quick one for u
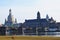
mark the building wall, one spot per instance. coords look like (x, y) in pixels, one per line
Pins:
(2, 30)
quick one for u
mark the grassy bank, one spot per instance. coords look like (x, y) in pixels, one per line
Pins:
(28, 38)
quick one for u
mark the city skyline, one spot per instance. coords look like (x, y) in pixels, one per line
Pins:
(27, 9)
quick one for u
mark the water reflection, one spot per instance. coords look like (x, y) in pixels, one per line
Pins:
(55, 34)
(52, 33)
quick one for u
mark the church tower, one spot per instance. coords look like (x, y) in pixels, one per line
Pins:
(38, 15)
(15, 20)
(10, 17)
(10, 20)
(52, 18)
(5, 21)
(47, 17)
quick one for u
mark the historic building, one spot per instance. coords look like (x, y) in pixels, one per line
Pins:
(39, 25)
(10, 21)
(39, 22)
(11, 24)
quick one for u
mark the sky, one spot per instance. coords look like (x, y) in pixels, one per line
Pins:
(27, 9)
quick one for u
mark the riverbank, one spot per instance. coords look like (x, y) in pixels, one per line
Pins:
(29, 38)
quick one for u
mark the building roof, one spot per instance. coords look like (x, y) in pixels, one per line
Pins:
(36, 20)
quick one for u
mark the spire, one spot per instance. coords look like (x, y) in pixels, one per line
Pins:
(47, 17)
(10, 17)
(15, 20)
(51, 18)
(38, 15)
(5, 21)
(9, 10)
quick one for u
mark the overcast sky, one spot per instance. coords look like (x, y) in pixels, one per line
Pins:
(27, 9)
